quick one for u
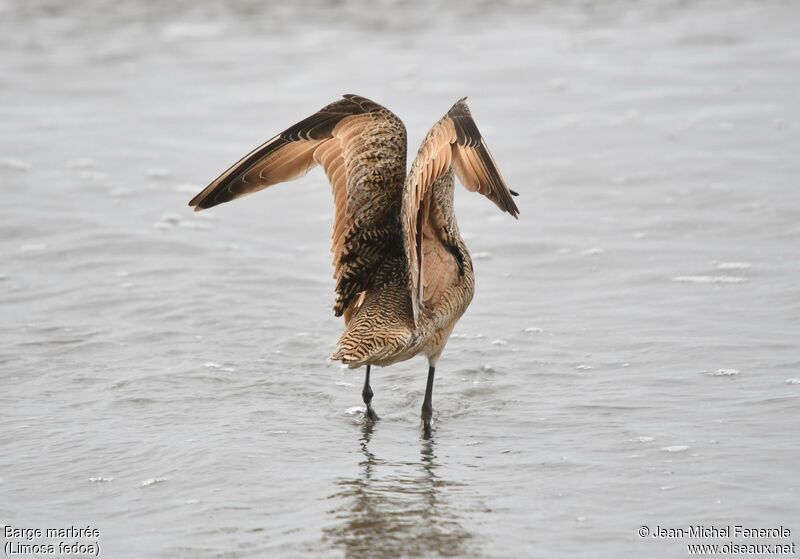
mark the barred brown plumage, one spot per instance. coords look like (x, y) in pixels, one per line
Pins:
(403, 273)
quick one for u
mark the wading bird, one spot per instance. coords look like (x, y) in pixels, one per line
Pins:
(403, 274)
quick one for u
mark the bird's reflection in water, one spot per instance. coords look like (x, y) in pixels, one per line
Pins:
(397, 509)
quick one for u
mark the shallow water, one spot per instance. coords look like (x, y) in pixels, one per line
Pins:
(631, 356)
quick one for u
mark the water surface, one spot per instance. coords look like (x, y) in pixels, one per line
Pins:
(631, 356)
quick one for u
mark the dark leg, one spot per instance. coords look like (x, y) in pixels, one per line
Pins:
(427, 406)
(366, 393)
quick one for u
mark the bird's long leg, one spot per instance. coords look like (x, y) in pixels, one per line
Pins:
(366, 393)
(427, 406)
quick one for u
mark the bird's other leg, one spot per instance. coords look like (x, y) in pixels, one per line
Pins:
(427, 405)
(366, 393)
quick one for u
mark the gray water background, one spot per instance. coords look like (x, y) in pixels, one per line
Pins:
(631, 356)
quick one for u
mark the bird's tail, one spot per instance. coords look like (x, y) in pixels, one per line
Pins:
(378, 331)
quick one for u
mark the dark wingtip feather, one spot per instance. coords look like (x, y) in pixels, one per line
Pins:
(206, 199)
(460, 107)
(513, 192)
(514, 211)
(195, 202)
(365, 104)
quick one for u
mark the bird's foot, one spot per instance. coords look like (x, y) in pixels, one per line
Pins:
(370, 414)
(426, 430)
(427, 415)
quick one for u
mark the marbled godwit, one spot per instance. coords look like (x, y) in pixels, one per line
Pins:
(403, 273)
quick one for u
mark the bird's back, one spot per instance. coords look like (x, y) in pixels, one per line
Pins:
(382, 329)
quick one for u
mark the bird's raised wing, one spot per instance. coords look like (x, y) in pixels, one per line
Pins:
(453, 142)
(362, 147)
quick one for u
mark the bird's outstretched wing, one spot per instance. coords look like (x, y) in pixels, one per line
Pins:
(453, 142)
(362, 148)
